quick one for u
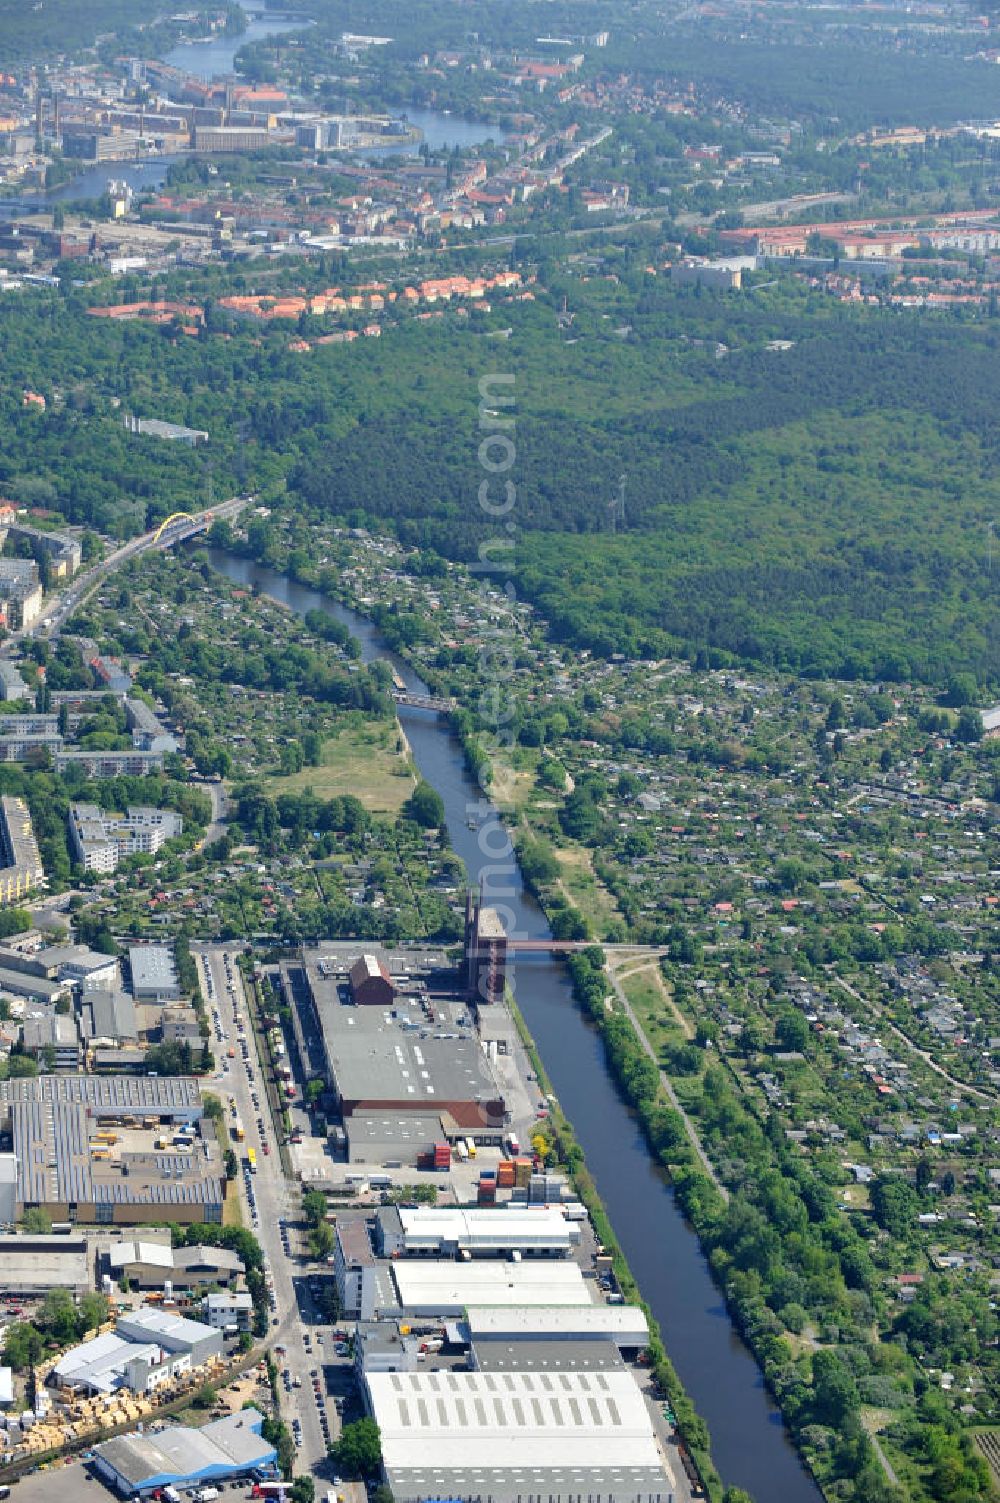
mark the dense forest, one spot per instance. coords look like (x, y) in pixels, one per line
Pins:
(825, 506)
(64, 26)
(855, 78)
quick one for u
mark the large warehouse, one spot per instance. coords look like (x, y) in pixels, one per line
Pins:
(447, 1232)
(63, 1168)
(407, 1057)
(34, 1264)
(447, 1289)
(513, 1435)
(167, 1098)
(625, 1325)
(180, 1457)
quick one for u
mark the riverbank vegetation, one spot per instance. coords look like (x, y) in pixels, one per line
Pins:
(811, 860)
(790, 1263)
(558, 1132)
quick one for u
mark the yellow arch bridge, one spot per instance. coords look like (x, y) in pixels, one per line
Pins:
(177, 516)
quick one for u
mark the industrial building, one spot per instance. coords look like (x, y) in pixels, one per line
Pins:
(557, 1435)
(145, 1350)
(445, 1289)
(168, 1098)
(410, 1057)
(64, 966)
(71, 1166)
(625, 1325)
(8, 1189)
(91, 145)
(154, 975)
(21, 868)
(153, 1265)
(181, 1457)
(53, 1037)
(34, 1264)
(229, 138)
(175, 1333)
(108, 1018)
(451, 1232)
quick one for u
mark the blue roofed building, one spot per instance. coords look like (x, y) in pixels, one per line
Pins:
(181, 1457)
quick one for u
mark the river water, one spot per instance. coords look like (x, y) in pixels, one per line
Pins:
(749, 1443)
(214, 59)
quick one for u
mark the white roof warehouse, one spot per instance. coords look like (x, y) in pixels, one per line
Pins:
(508, 1436)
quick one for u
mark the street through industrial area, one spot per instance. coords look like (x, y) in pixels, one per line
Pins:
(303, 1349)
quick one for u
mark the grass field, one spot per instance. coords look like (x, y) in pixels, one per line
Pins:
(232, 1215)
(582, 886)
(362, 760)
(660, 1021)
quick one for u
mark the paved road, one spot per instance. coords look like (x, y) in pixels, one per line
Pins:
(276, 1198)
(220, 808)
(60, 608)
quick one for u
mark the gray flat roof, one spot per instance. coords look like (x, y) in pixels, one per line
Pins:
(393, 1130)
(110, 1015)
(535, 1323)
(510, 1484)
(355, 1242)
(30, 1263)
(24, 985)
(382, 1054)
(152, 968)
(447, 1286)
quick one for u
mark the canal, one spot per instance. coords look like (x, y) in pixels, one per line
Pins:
(750, 1445)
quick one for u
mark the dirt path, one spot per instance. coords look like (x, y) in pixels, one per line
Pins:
(958, 1085)
(689, 1127)
(683, 1023)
